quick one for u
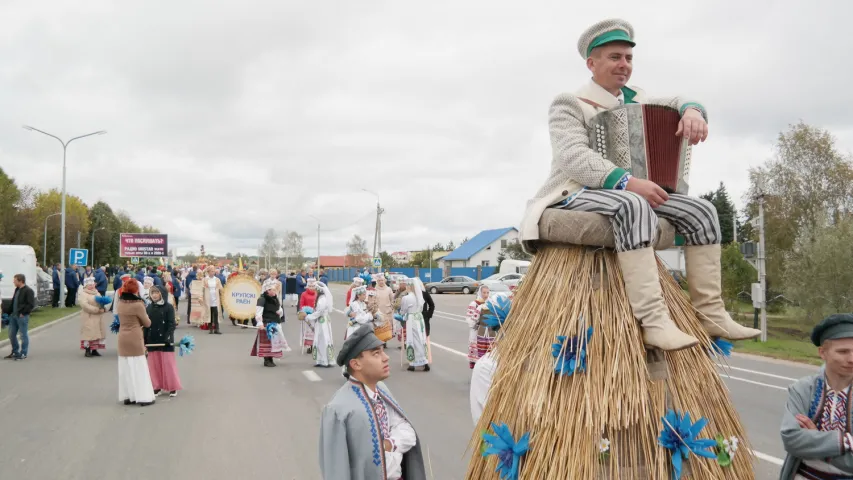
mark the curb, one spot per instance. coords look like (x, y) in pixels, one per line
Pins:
(41, 328)
(778, 361)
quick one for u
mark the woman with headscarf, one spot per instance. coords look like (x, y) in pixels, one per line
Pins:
(92, 331)
(269, 312)
(472, 315)
(356, 282)
(211, 299)
(411, 308)
(306, 331)
(147, 283)
(134, 380)
(279, 288)
(160, 341)
(323, 350)
(169, 285)
(357, 312)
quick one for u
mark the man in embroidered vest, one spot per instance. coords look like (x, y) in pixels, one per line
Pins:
(582, 179)
(816, 427)
(364, 434)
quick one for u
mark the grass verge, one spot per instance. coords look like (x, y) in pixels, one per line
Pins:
(43, 316)
(788, 338)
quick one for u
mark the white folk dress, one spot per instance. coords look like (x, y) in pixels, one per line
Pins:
(416, 342)
(362, 317)
(323, 350)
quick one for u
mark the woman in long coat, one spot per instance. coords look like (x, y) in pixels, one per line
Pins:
(134, 381)
(212, 298)
(92, 331)
(161, 358)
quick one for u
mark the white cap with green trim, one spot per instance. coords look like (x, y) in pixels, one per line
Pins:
(604, 32)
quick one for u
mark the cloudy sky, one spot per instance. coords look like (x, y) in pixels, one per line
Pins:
(228, 118)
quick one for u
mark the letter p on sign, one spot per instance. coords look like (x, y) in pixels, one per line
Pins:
(79, 257)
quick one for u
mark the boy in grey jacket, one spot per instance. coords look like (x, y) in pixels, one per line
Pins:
(816, 425)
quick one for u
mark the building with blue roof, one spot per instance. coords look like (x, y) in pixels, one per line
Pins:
(482, 250)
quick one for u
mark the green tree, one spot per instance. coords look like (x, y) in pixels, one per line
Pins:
(824, 271)
(738, 275)
(806, 186)
(514, 251)
(725, 211)
(387, 260)
(76, 220)
(439, 247)
(451, 246)
(357, 246)
(106, 240)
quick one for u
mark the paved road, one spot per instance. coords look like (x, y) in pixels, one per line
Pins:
(237, 419)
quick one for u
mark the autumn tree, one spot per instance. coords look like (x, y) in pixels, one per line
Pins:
(292, 249)
(76, 221)
(725, 211)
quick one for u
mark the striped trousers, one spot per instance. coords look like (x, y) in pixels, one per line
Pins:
(635, 222)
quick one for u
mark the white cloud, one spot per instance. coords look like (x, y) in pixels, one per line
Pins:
(228, 119)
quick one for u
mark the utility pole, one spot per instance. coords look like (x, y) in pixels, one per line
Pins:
(44, 251)
(78, 238)
(318, 244)
(762, 271)
(377, 232)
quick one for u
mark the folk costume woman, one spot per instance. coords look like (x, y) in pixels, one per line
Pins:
(384, 326)
(307, 299)
(147, 283)
(160, 338)
(356, 282)
(357, 312)
(92, 331)
(411, 308)
(269, 312)
(134, 380)
(211, 299)
(324, 343)
(477, 345)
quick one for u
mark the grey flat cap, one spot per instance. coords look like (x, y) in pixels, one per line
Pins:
(360, 340)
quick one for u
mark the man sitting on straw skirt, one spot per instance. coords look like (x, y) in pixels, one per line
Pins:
(583, 180)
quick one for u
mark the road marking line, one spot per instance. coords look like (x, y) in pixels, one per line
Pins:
(780, 377)
(312, 376)
(457, 352)
(753, 382)
(449, 318)
(450, 314)
(768, 458)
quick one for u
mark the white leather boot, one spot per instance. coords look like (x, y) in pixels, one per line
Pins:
(704, 279)
(640, 271)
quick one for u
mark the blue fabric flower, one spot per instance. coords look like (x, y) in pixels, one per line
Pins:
(720, 346)
(368, 278)
(570, 354)
(498, 311)
(679, 437)
(399, 318)
(187, 345)
(103, 301)
(115, 325)
(307, 310)
(508, 451)
(271, 330)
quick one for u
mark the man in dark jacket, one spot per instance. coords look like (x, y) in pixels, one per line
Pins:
(301, 283)
(140, 275)
(54, 302)
(72, 283)
(323, 277)
(191, 277)
(23, 303)
(117, 279)
(101, 281)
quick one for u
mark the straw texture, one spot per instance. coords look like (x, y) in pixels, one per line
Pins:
(567, 290)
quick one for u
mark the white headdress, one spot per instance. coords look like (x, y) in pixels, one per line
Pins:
(358, 281)
(326, 293)
(87, 281)
(269, 284)
(358, 291)
(148, 281)
(418, 288)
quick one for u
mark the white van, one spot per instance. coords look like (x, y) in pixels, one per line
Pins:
(514, 266)
(15, 259)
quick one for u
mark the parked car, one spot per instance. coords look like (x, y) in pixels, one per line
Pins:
(454, 284)
(511, 280)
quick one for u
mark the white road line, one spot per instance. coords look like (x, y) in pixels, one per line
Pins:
(780, 377)
(768, 458)
(450, 314)
(312, 376)
(457, 352)
(754, 382)
(449, 318)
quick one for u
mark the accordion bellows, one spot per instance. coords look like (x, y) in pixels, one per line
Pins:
(641, 139)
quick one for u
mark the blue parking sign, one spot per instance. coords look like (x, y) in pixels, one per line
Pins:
(79, 257)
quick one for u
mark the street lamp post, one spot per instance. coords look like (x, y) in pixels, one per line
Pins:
(44, 251)
(62, 232)
(318, 244)
(93, 244)
(377, 233)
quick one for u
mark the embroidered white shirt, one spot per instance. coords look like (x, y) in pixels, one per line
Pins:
(402, 438)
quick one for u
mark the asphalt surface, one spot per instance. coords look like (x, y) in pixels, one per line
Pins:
(237, 419)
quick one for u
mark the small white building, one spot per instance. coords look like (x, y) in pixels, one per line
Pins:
(402, 257)
(482, 250)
